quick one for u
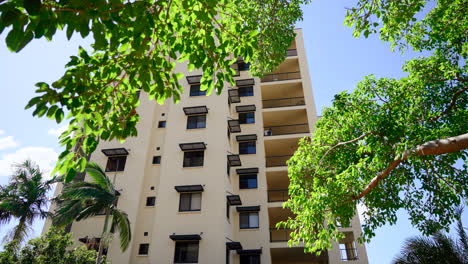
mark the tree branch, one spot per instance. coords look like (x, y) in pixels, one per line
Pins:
(434, 147)
(451, 105)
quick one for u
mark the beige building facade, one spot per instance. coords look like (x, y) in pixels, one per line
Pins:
(205, 179)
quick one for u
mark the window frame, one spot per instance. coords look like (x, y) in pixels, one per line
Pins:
(248, 217)
(242, 259)
(246, 180)
(150, 201)
(190, 201)
(183, 245)
(244, 118)
(141, 248)
(162, 124)
(156, 160)
(246, 91)
(251, 143)
(198, 121)
(119, 167)
(196, 92)
(191, 165)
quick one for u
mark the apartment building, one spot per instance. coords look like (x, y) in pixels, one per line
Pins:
(205, 179)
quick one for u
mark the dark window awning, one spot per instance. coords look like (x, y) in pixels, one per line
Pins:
(192, 146)
(250, 137)
(196, 110)
(249, 251)
(246, 82)
(247, 171)
(248, 208)
(245, 108)
(194, 237)
(194, 79)
(115, 152)
(234, 200)
(234, 96)
(233, 245)
(189, 188)
(87, 239)
(234, 126)
(234, 160)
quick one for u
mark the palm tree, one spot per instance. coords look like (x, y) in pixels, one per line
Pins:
(24, 198)
(81, 200)
(439, 248)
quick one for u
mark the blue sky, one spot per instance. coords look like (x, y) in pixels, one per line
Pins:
(337, 62)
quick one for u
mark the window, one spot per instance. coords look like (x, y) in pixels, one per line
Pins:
(246, 91)
(190, 202)
(193, 158)
(247, 118)
(243, 66)
(247, 147)
(228, 210)
(248, 220)
(186, 252)
(162, 124)
(116, 163)
(143, 249)
(196, 121)
(150, 201)
(247, 181)
(195, 90)
(348, 251)
(157, 160)
(250, 259)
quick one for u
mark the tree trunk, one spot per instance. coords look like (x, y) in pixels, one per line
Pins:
(101, 241)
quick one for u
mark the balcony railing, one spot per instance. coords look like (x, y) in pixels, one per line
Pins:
(281, 76)
(279, 235)
(348, 254)
(286, 129)
(291, 52)
(283, 102)
(278, 195)
(277, 161)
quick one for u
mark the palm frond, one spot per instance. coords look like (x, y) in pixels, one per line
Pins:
(121, 222)
(98, 175)
(88, 191)
(66, 212)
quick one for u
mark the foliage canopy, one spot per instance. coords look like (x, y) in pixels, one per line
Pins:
(391, 143)
(51, 248)
(136, 46)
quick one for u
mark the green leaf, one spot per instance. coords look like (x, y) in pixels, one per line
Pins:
(32, 6)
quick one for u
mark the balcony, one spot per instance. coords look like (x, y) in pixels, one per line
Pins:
(286, 130)
(279, 235)
(291, 52)
(283, 102)
(281, 76)
(277, 161)
(295, 255)
(278, 195)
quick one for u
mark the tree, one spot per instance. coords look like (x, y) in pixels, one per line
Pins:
(136, 46)
(439, 248)
(24, 198)
(390, 144)
(54, 247)
(81, 200)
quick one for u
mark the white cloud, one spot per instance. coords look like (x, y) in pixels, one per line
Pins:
(2, 132)
(44, 157)
(57, 131)
(7, 142)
